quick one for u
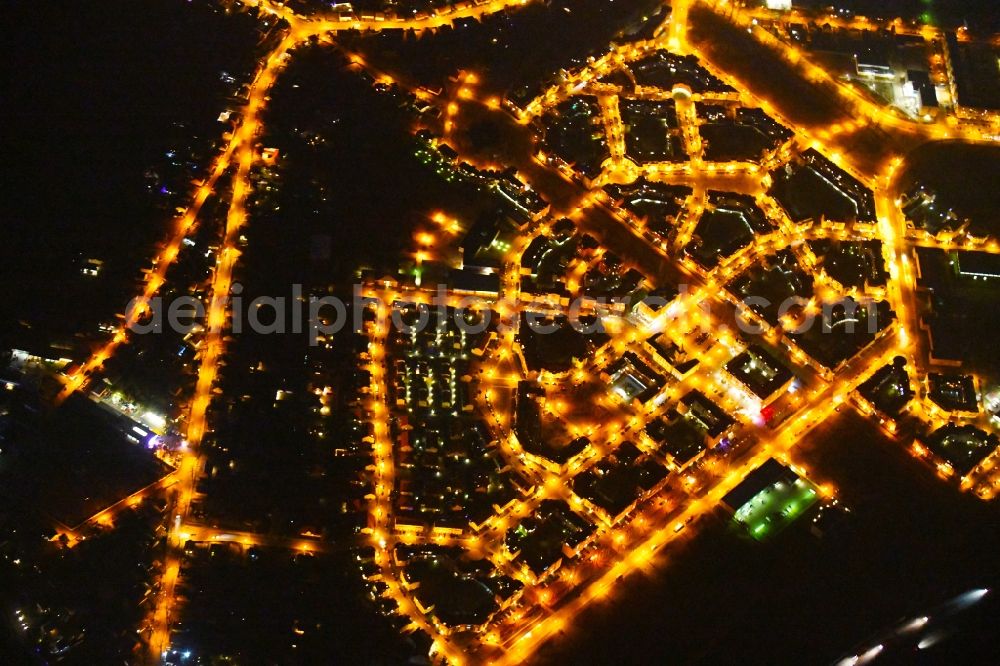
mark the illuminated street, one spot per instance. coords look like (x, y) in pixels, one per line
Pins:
(671, 292)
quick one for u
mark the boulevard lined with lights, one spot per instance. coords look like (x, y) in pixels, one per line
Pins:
(549, 603)
(636, 542)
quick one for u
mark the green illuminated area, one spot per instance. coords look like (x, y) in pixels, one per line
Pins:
(776, 507)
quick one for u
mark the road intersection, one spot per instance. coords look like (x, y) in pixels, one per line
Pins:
(547, 604)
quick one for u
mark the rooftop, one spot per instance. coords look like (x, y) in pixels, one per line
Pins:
(759, 371)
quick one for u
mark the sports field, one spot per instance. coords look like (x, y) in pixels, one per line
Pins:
(775, 507)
